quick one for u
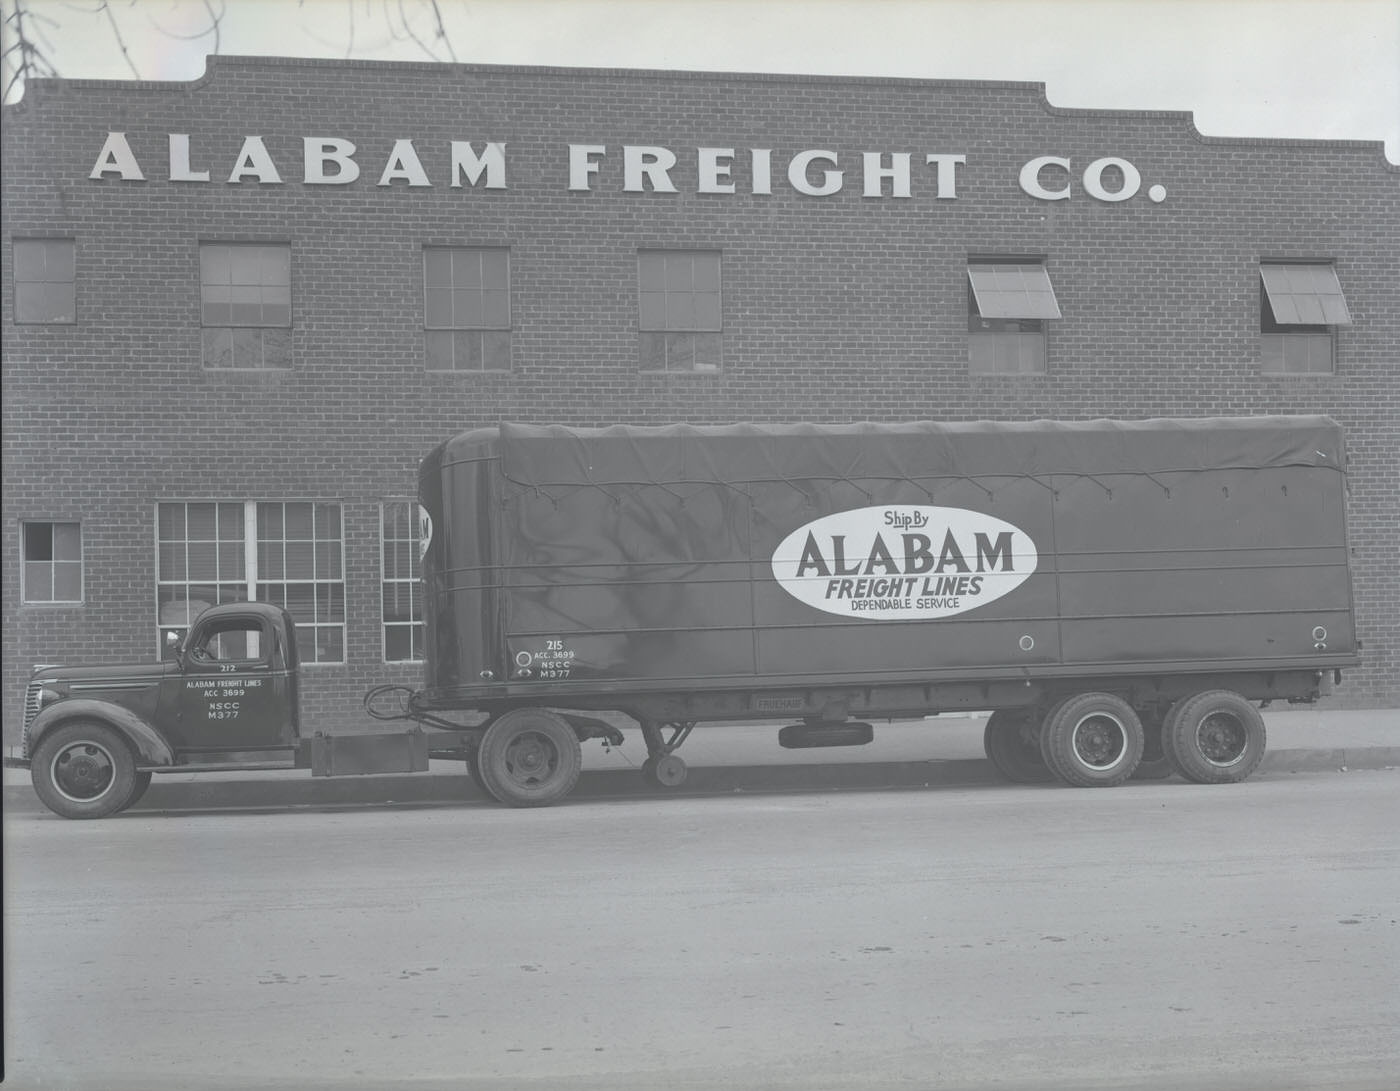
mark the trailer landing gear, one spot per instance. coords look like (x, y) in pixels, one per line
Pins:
(663, 766)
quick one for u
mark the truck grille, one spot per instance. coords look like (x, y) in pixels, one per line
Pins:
(31, 709)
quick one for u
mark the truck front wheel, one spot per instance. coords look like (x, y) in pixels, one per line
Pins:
(1093, 740)
(84, 769)
(530, 758)
(1216, 737)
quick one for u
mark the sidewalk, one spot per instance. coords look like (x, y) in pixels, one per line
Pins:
(745, 758)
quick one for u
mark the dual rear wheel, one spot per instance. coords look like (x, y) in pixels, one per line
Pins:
(1098, 740)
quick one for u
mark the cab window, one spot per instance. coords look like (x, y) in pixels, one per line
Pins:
(234, 640)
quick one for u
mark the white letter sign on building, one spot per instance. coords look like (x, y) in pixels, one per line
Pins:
(903, 562)
(646, 168)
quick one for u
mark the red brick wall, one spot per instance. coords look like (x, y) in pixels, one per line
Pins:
(837, 308)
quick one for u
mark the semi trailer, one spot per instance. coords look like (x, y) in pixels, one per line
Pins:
(1121, 596)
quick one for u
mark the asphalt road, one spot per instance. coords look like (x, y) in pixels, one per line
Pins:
(1158, 935)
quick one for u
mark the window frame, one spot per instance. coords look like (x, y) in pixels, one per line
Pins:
(18, 281)
(1027, 336)
(251, 583)
(680, 340)
(490, 338)
(80, 562)
(243, 331)
(1277, 338)
(415, 625)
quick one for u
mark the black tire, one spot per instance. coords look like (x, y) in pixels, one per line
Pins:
(473, 764)
(530, 758)
(1093, 740)
(84, 769)
(1216, 737)
(1012, 746)
(1047, 757)
(1154, 763)
(139, 784)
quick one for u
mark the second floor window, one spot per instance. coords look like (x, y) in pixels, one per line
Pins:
(680, 314)
(45, 281)
(1300, 306)
(245, 292)
(1008, 305)
(466, 308)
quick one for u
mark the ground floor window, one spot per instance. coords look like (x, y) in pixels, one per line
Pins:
(401, 592)
(289, 553)
(52, 566)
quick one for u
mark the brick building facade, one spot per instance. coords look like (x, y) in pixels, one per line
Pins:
(238, 311)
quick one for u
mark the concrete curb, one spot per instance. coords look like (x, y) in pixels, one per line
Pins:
(302, 790)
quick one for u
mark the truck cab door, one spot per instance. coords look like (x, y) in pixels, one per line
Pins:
(235, 693)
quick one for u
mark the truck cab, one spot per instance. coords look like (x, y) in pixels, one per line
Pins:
(93, 734)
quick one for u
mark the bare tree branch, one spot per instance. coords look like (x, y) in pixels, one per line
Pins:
(442, 30)
(27, 53)
(121, 42)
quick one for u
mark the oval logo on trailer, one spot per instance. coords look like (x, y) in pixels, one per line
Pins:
(425, 532)
(903, 561)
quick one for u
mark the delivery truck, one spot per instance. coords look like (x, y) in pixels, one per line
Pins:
(1121, 596)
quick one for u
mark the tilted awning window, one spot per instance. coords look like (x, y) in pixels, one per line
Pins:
(1305, 295)
(1020, 290)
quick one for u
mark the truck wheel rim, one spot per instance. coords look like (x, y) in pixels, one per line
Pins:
(531, 759)
(1222, 739)
(82, 772)
(1099, 741)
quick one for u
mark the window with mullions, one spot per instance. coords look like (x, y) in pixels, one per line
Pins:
(466, 308)
(52, 567)
(1300, 306)
(246, 305)
(679, 312)
(402, 593)
(301, 566)
(46, 290)
(290, 554)
(1008, 305)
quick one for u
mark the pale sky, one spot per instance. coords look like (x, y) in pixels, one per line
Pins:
(1327, 69)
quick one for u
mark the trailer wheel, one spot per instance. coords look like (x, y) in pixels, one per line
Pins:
(1154, 765)
(1093, 740)
(1047, 755)
(84, 769)
(530, 758)
(1012, 747)
(473, 764)
(1216, 737)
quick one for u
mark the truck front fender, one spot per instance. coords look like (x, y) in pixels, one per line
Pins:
(151, 749)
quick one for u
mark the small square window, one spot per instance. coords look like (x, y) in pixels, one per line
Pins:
(46, 290)
(52, 564)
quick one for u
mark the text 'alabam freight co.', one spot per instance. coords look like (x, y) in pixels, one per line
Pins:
(645, 168)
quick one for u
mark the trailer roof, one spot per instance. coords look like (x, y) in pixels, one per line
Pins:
(541, 455)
